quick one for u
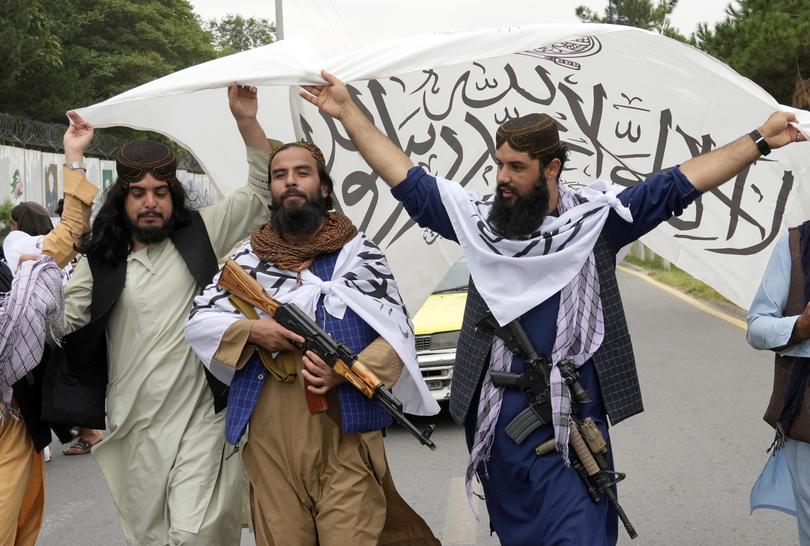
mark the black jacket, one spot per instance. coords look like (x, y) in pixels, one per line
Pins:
(75, 387)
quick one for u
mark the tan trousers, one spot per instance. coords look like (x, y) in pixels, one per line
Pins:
(22, 485)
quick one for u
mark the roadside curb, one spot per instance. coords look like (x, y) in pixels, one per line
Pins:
(727, 312)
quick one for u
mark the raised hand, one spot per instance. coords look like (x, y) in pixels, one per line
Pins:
(778, 132)
(78, 137)
(332, 98)
(243, 102)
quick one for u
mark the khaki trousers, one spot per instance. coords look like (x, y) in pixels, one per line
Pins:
(22, 485)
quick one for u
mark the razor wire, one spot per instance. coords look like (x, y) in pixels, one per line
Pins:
(39, 135)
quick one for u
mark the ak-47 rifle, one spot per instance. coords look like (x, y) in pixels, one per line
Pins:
(337, 355)
(585, 437)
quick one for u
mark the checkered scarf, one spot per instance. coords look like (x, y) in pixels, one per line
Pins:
(580, 323)
(30, 311)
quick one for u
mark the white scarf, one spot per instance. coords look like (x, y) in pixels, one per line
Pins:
(362, 280)
(514, 276)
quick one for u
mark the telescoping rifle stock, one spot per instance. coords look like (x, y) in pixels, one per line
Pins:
(337, 355)
(592, 463)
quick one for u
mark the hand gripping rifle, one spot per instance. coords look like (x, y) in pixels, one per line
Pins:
(337, 355)
(585, 437)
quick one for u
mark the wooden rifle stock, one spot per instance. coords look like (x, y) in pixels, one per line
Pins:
(237, 281)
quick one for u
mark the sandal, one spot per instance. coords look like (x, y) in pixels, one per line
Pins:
(80, 447)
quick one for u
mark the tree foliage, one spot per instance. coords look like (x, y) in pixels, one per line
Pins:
(636, 13)
(234, 33)
(766, 40)
(70, 53)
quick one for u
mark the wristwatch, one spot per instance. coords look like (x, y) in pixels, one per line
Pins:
(759, 140)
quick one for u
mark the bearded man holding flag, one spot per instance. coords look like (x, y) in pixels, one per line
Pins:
(543, 255)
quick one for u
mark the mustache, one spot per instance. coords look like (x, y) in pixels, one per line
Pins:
(293, 192)
(154, 214)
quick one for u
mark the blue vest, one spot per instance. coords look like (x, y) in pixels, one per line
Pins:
(358, 413)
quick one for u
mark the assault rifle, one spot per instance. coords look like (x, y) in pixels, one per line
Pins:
(337, 355)
(533, 382)
(593, 465)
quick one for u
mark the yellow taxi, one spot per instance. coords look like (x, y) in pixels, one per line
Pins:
(437, 325)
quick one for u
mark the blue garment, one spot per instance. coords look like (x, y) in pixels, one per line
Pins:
(358, 413)
(535, 500)
(769, 328)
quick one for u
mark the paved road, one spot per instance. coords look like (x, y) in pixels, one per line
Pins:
(691, 457)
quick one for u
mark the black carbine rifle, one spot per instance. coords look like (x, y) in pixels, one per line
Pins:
(592, 464)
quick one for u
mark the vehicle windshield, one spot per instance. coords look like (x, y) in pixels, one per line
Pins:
(456, 279)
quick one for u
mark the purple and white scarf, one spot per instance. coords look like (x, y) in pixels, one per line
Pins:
(30, 311)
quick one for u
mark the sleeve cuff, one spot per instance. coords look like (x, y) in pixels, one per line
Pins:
(258, 167)
(683, 185)
(381, 358)
(401, 190)
(233, 349)
(77, 185)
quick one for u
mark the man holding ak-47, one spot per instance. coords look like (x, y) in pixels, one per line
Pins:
(542, 261)
(314, 455)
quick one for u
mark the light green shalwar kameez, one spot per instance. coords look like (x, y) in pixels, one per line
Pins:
(164, 460)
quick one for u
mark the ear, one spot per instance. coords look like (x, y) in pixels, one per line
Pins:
(552, 170)
(324, 191)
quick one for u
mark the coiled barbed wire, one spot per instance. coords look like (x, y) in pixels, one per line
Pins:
(47, 137)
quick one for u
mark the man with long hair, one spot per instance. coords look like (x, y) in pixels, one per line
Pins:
(543, 255)
(147, 256)
(323, 478)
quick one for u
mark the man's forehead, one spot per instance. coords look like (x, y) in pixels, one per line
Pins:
(148, 182)
(293, 157)
(507, 154)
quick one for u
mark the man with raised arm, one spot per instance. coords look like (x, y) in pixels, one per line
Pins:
(147, 256)
(318, 478)
(546, 256)
(29, 316)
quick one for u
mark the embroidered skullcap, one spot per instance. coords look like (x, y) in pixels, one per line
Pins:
(137, 159)
(308, 146)
(535, 134)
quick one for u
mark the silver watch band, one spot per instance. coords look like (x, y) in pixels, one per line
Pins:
(75, 165)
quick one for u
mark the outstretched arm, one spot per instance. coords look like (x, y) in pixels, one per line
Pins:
(380, 153)
(710, 170)
(244, 105)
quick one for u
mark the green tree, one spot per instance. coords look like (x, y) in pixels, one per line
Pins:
(767, 41)
(636, 13)
(234, 33)
(104, 48)
(28, 39)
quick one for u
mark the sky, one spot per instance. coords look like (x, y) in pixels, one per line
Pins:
(364, 21)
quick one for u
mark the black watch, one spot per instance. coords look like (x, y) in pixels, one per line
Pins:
(759, 140)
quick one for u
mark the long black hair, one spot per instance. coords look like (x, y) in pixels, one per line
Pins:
(111, 236)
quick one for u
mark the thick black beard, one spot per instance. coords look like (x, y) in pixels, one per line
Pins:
(151, 235)
(298, 220)
(524, 217)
